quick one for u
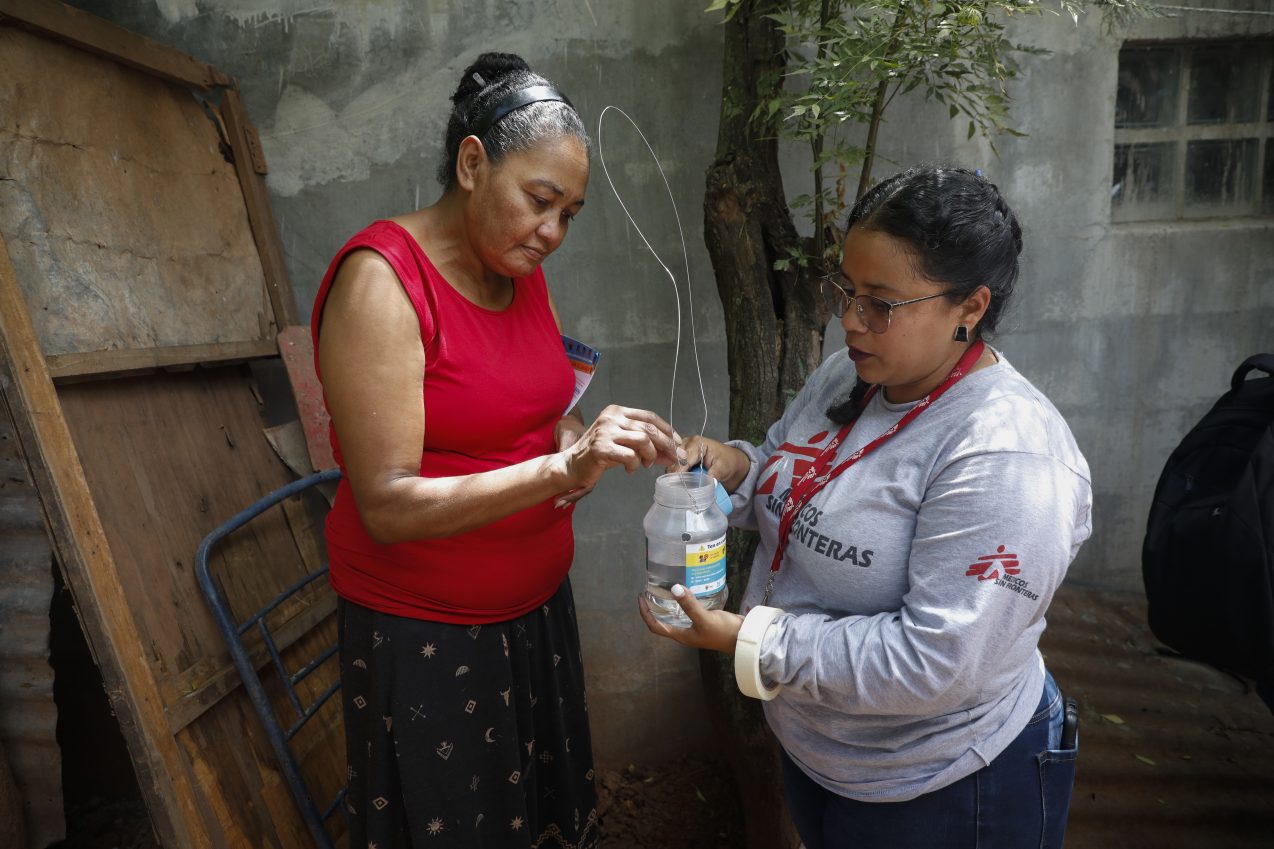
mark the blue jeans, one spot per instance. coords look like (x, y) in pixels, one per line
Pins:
(1018, 801)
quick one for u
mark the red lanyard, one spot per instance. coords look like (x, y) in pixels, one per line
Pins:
(820, 473)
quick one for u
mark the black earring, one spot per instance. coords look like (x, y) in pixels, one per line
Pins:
(962, 334)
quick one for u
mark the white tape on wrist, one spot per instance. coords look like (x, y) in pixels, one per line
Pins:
(747, 653)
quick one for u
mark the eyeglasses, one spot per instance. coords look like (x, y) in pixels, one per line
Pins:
(872, 311)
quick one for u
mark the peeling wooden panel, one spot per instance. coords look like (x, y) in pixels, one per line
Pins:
(28, 715)
(67, 367)
(242, 139)
(123, 218)
(80, 546)
(142, 236)
(169, 457)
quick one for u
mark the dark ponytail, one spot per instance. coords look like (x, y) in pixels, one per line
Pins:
(846, 411)
(490, 78)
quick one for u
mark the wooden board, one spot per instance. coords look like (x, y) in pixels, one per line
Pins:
(136, 471)
(168, 459)
(124, 220)
(156, 451)
(250, 162)
(82, 551)
(95, 35)
(142, 239)
(68, 367)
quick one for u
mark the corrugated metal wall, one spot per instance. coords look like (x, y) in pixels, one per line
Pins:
(1173, 754)
(28, 717)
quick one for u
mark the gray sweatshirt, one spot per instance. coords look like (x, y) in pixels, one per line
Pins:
(916, 583)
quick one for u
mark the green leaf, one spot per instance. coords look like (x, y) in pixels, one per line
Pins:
(952, 111)
(782, 264)
(731, 7)
(971, 131)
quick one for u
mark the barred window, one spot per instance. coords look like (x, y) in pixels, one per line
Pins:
(1194, 131)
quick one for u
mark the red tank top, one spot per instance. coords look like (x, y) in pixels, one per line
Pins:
(496, 384)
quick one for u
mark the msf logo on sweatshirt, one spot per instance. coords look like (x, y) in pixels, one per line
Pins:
(988, 566)
(805, 529)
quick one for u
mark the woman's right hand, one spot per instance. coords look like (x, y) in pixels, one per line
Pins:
(724, 462)
(621, 436)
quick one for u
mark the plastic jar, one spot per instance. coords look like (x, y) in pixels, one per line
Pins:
(685, 544)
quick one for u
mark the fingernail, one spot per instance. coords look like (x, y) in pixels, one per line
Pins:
(678, 590)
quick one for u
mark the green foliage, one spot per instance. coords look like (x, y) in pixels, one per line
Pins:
(794, 258)
(849, 61)
(846, 62)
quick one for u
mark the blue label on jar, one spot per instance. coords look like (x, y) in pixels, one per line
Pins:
(705, 566)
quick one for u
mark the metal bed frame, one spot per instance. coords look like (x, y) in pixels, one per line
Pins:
(234, 633)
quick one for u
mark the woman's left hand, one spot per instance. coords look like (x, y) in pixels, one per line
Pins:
(709, 629)
(569, 429)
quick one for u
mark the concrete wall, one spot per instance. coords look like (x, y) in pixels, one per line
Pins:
(1131, 329)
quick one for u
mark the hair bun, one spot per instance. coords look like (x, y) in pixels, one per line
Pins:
(1016, 230)
(490, 68)
(1006, 216)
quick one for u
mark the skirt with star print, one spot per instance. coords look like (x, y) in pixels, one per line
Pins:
(467, 736)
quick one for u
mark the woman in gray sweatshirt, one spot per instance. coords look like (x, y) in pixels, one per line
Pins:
(918, 504)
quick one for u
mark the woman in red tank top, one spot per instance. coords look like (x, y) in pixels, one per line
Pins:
(450, 539)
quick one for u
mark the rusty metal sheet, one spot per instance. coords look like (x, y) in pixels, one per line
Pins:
(1172, 753)
(28, 716)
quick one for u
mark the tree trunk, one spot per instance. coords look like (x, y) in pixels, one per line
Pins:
(869, 150)
(774, 339)
(878, 108)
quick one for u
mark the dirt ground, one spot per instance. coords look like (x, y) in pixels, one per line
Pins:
(1173, 755)
(686, 804)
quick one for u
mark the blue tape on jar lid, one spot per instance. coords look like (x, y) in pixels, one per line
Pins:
(722, 497)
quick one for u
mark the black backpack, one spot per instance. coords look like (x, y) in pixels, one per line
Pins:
(1208, 556)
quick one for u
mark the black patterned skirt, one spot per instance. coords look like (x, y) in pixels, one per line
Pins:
(467, 736)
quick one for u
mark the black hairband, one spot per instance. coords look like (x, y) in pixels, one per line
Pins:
(515, 100)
